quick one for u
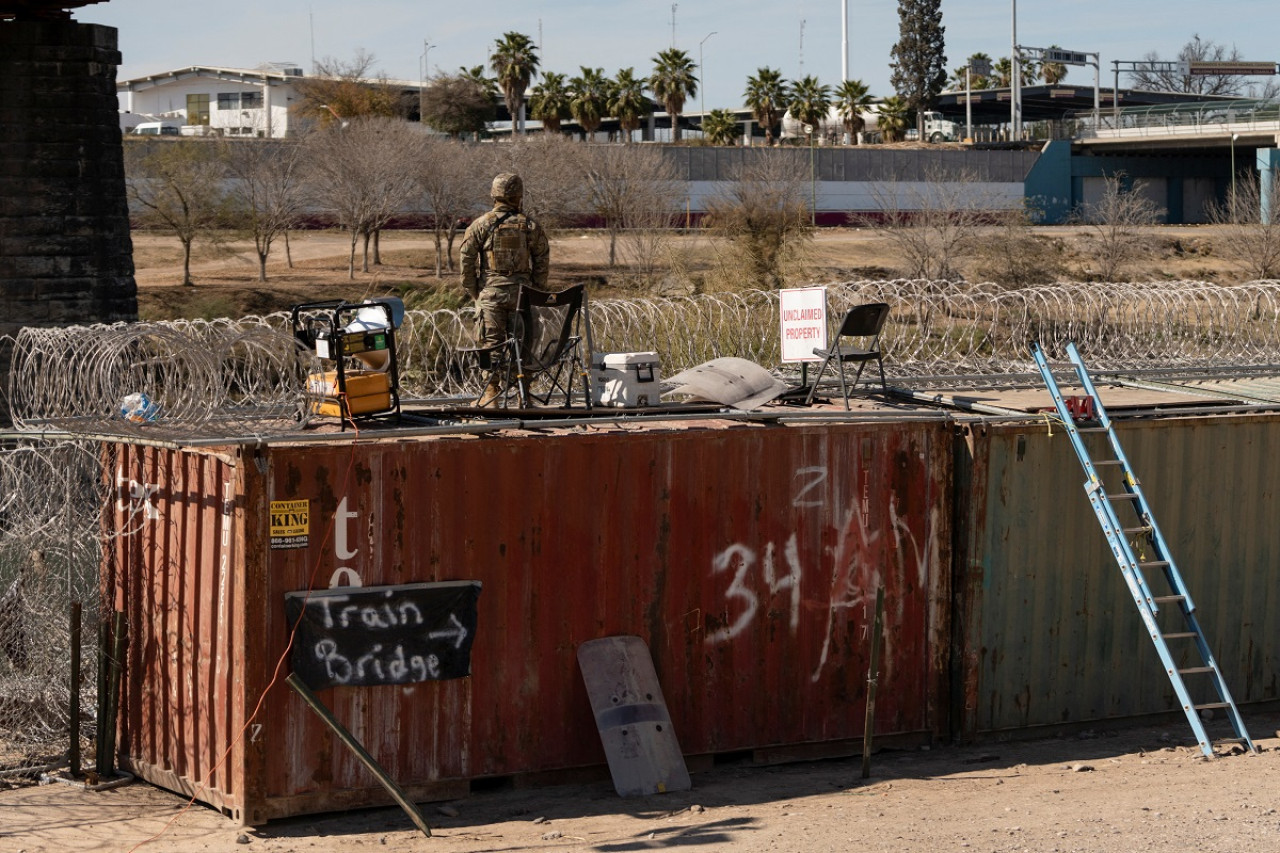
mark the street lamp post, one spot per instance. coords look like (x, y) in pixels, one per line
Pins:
(702, 90)
(813, 177)
(422, 76)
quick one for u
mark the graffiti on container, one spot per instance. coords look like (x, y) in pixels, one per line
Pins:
(743, 560)
(855, 564)
(846, 593)
(132, 495)
(358, 637)
(344, 575)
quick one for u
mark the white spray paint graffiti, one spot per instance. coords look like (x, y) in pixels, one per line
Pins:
(853, 578)
(130, 491)
(743, 559)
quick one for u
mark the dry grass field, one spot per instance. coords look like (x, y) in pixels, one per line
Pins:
(226, 285)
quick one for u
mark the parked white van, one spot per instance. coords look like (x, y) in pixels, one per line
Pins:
(158, 128)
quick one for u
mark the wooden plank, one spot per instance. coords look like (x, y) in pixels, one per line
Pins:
(631, 714)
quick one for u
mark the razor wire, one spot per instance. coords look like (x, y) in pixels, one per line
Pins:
(936, 328)
(249, 376)
(195, 377)
(50, 550)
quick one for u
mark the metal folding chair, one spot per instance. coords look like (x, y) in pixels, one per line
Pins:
(862, 322)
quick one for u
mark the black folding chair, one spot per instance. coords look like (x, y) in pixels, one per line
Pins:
(861, 321)
(543, 349)
(550, 351)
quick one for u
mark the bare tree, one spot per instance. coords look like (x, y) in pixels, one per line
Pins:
(1243, 237)
(1116, 221)
(454, 183)
(762, 214)
(554, 191)
(268, 189)
(178, 186)
(934, 224)
(363, 173)
(1010, 253)
(1196, 50)
(636, 193)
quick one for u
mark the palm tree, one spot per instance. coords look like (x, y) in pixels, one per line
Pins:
(515, 61)
(853, 98)
(766, 95)
(720, 127)
(549, 103)
(810, 102)
(1003, 68)
(589, 98)
(894, 113)
(672, 82)
(975, 81)
(476, 75)
(627, 101)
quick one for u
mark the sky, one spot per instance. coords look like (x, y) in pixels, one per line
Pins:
(729, 40)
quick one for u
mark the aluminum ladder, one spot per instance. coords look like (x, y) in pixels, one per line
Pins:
(1138, 548)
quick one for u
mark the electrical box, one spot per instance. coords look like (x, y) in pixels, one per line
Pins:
(625, 379)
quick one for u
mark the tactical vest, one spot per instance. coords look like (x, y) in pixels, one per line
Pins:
(509, 246)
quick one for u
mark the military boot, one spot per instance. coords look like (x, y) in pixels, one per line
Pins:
(491, 393)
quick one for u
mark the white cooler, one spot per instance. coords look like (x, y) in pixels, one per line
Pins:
(625, 379)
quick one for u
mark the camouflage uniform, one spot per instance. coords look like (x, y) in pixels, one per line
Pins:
(500, 251)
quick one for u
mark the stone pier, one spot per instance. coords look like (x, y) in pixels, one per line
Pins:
(65, 252)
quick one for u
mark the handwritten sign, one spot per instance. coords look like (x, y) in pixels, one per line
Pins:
(364, 636)
(803, 312)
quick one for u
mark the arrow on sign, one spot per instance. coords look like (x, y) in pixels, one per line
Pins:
(456, 631)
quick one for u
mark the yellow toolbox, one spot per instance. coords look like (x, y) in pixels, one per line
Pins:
(368, 392)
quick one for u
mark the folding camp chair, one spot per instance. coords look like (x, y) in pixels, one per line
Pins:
(861, 321)
(543, 350)
(550, 352)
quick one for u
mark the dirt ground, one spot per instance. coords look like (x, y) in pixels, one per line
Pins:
(225, 273)
(1102, 791)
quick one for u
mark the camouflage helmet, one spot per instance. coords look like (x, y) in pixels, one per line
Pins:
(507, 187)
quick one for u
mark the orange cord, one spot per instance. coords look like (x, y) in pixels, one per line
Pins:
(275, 675)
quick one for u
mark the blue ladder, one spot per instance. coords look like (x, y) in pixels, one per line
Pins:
(1151, 553)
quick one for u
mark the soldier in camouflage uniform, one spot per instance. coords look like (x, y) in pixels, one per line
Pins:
(502, 250)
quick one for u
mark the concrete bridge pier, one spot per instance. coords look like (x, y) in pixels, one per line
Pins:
(65, 252)
(1268, 171)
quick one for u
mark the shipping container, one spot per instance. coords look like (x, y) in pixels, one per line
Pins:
(746, 555)
(1047, 635)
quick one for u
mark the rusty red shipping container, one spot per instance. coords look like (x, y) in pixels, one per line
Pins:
(746, 556)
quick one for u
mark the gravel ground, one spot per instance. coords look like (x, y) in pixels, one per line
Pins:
(1131, 789)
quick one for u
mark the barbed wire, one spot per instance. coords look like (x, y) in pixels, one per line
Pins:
(50, 551)
(228, 377)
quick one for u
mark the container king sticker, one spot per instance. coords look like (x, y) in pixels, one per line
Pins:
(290, 524)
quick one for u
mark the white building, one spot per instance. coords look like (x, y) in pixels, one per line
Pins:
(226, 101)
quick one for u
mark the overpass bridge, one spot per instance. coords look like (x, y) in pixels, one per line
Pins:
(1213, 124)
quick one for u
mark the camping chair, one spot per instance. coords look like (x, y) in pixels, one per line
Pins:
(542, 346)
(550, 351)
(861, 321)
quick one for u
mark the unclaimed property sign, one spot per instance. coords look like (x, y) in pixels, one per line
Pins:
(803, 312)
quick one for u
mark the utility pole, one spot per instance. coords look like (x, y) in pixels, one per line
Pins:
(1015, 81)
(844, 40)
(702, 90)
